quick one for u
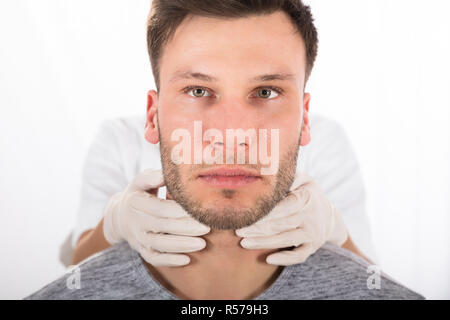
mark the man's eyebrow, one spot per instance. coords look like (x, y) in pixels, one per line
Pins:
(274, 76)
(209, 78)
(192, 75)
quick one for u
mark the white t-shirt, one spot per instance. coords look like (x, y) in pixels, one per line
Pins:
(119, 151)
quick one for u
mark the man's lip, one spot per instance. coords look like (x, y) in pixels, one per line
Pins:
(229, 172)
(228, 177)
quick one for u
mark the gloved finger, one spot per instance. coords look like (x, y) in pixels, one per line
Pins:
(187, 226)
(172, 243)
(293, 202)
(290, 257)
(159, 259)
(300, 179)
(286, 239)
(268, 228)
(147, 180)
(150, 204)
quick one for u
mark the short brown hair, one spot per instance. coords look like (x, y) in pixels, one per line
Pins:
(166, 15)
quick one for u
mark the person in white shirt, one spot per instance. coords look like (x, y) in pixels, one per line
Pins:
(119, 152)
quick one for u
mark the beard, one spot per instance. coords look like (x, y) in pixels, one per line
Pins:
(228, 218)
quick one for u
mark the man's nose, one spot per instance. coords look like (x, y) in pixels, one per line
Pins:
(232, 113)
(237, 121)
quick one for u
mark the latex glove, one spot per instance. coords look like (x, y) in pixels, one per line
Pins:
(305, 219)
(156, 228)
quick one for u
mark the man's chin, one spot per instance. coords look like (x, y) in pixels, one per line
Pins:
(224, 208)
(226, 219)
(222, 213)
(227, 199)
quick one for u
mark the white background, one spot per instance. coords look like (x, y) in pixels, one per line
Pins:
(383, 72)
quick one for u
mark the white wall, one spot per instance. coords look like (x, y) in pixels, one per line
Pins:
(383, 72)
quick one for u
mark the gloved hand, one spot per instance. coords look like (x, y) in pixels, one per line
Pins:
(305, 218)
(142, 219)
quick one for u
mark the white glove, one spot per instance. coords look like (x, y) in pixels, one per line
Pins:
(144, 220)
(305, 219)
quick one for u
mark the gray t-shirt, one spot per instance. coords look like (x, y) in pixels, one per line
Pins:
(330, 273)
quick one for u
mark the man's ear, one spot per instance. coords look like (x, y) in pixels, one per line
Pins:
(306, 135)
(151, 124)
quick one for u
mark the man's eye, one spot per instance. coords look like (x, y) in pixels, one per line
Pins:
(197, 92)
(265, 93)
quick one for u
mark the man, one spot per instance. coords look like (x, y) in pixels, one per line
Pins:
(120, 152)
(233, 65)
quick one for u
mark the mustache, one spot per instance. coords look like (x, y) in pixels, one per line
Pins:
(195, 167)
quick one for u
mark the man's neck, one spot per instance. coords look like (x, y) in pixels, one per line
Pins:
(223, 270)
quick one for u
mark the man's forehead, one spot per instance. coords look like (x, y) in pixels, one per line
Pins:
(261, 50)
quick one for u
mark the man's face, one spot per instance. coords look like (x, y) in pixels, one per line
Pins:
(210, 72)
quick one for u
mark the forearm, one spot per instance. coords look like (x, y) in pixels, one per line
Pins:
(89, 243)
(350, 245)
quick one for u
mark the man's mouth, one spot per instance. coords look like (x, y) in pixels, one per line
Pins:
(227, 177)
